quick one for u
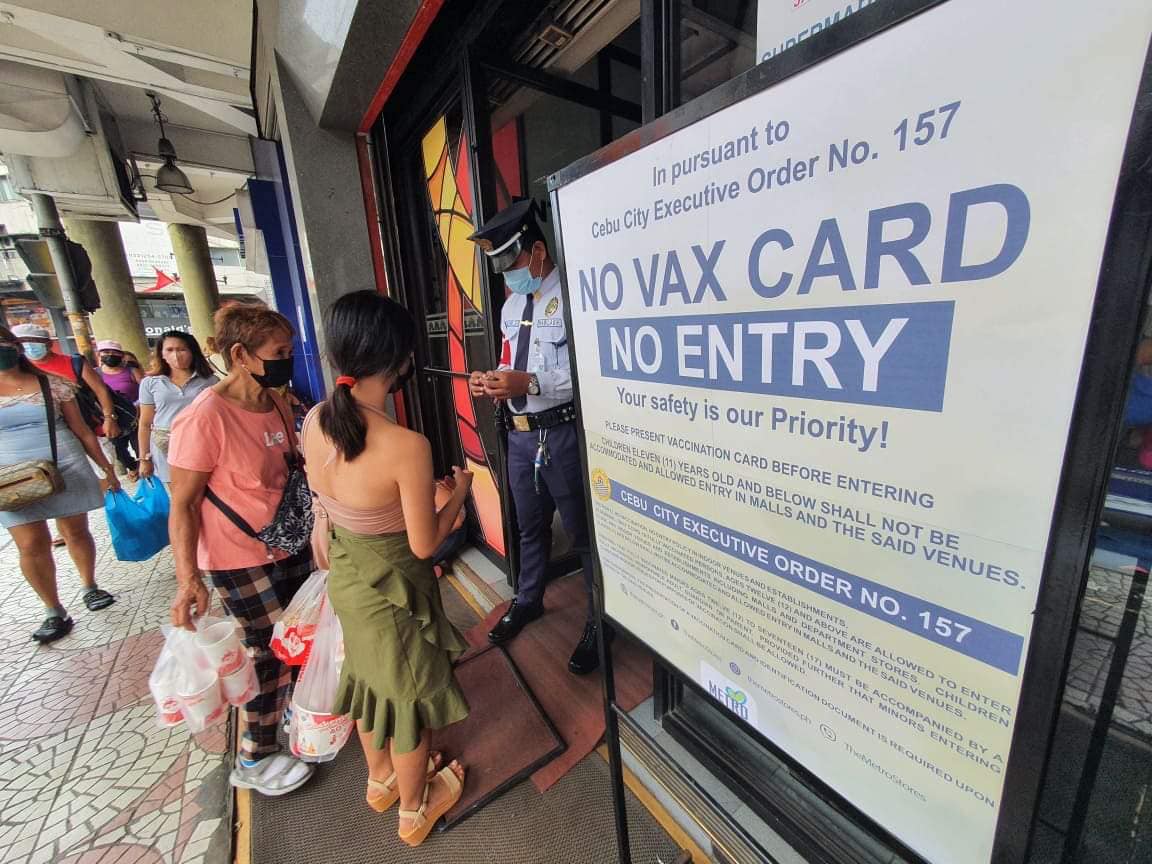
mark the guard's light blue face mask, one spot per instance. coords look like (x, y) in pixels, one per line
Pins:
(521, 280)
(35, 350)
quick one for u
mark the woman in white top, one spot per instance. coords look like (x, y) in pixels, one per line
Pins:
(180, 372)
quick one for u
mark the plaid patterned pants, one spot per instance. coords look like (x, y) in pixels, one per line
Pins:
(255, 596)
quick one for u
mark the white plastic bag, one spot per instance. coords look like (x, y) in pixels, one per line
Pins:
(316, 734)
(292, 635)
(162, 683)
(198, 675)
(219, 639)
(184, 684)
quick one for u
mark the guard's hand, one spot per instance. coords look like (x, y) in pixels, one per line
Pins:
(191, 602)
(506, 385)
(476, 383)
(147, 469)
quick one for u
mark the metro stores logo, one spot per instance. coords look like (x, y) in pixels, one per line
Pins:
(729, 694)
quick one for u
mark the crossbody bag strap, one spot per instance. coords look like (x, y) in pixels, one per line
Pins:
(234, 517)
(290, 432)
(50, 410)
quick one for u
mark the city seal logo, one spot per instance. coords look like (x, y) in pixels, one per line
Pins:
(553, 305)
(601, 485)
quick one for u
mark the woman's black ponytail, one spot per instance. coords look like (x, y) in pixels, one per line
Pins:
(367, 334)
(342, 423)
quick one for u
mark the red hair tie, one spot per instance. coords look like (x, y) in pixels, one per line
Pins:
(346, 379)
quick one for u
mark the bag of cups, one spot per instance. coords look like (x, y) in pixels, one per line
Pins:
(198, 675)
(316, 734)
(293, 634)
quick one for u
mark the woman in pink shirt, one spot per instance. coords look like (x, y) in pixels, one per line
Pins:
(235, 441)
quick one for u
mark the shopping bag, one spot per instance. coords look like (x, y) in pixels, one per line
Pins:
(153, 497)
(316, 734)
(1138, 409)
(185, 685)
(219, 640)
(138, 532)
(292, 635)
(162, 683)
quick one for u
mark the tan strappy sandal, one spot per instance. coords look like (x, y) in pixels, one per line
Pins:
(424, 820)
(389, 791)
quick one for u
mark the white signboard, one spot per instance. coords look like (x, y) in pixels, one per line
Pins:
(148, 248)
(828, 342)
(781, 24)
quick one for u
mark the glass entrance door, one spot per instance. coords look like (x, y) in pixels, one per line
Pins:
(530, 132)
(445, 292)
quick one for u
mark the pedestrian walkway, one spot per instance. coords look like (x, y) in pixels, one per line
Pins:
(86, 776)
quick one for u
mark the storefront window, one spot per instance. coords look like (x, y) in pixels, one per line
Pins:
(1096, 801)
(720, 39)
(717, 43)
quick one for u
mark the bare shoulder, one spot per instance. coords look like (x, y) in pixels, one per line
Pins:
(391, 442)
(409, 441)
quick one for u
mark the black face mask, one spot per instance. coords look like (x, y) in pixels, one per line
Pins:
(112, 360)
(403, 378)
(277, 373)
(9, 357)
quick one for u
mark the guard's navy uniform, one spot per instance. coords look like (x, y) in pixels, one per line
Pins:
(543, 447)
(556, 483)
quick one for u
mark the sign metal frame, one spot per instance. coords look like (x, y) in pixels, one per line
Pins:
(1123, 286)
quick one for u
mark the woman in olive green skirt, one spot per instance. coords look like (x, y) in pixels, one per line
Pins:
(373, 482)
(398, 643)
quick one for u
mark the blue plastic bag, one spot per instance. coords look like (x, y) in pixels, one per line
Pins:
(1138, 411)
(138, 523)
(154, 497)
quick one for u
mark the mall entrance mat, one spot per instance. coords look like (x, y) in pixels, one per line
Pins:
(575, 704)
(505, 738)
(327, 822)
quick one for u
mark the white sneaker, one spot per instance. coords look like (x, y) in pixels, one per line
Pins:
(273, 775)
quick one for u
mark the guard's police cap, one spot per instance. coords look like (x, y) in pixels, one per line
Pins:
(502, 238)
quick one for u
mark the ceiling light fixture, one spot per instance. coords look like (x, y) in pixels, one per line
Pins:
(169, 178)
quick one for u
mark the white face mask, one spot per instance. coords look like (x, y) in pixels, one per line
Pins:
(35, 350)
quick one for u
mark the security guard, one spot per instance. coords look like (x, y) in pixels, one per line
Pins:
(533, 388)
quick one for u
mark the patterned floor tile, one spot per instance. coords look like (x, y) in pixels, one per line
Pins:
(86, 775)
(59, 691)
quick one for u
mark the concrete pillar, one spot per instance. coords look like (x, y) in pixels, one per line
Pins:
(119, 314)
(197, 278)
(48, 220)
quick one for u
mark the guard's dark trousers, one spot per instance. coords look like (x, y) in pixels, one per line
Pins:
(561, 488)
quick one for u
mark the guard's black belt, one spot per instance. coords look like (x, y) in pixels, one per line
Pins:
(565, 413)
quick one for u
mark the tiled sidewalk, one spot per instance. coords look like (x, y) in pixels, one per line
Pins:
(86, 776)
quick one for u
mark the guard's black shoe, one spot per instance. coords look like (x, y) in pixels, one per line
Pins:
(586, 657)
(515, 619)
(53, 628)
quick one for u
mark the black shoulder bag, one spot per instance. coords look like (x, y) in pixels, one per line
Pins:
(291, 527)
(90, 408)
